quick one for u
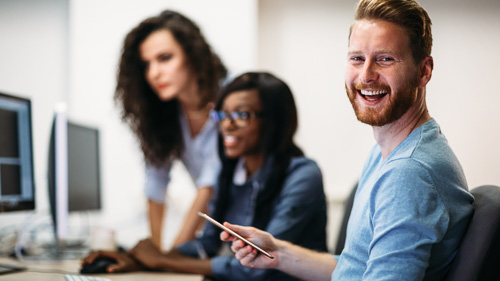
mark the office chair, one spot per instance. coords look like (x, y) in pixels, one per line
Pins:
(343, 228)
(478, 256)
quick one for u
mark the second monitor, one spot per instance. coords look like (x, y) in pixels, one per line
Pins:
(74, 171)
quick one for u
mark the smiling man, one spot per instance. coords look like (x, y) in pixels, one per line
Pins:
(412, 205)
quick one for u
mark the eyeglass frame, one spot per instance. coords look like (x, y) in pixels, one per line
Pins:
(233, 116)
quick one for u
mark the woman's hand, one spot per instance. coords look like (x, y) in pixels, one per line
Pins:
(124, 263)
(247, 255)
(147, 253)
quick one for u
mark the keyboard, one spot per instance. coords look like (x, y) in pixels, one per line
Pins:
(75, 277)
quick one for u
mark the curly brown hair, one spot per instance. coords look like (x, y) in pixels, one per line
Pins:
(156, 122)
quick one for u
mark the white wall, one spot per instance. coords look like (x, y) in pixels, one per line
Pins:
(34, 64)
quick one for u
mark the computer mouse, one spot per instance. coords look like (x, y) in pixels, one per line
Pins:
(99, 265)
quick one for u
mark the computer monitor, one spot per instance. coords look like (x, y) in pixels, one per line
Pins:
(74, 171)
(17, 185)
(17, 188)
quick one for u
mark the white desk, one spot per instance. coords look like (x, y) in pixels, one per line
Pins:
(54, 271)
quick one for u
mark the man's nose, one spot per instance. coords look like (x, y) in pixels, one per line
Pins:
(369, 72)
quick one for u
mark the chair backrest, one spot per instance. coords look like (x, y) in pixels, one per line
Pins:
(478, 256)
(343, 228)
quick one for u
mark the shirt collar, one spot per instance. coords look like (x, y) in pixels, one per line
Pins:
(240, 174)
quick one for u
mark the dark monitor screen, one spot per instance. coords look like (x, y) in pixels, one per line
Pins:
(73, 171)
(17, 189)
(83, 168)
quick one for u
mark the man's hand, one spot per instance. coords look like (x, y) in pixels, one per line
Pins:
(247, 255)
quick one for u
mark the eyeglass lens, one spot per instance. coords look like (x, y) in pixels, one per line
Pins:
(239, 118)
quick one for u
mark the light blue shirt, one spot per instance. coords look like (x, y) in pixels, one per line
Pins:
(409, 214)
(200, 157)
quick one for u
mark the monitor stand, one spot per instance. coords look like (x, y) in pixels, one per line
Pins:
(68, 250)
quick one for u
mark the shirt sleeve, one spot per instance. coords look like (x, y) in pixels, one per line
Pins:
(211, 163)
(407, 217)
(157, 179)
(300, 201)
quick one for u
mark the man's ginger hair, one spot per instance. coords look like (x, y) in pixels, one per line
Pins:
(406, 13)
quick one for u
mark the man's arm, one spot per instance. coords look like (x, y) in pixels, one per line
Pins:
(289, 258)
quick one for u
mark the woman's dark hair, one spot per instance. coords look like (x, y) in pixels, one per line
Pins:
(156, 122)
(279, 124)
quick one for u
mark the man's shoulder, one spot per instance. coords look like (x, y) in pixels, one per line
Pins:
(426, 145)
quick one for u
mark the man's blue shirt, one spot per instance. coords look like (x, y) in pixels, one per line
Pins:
(409, 214)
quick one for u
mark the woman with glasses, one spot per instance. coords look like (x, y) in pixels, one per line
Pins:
(167, 84)
(266, 181)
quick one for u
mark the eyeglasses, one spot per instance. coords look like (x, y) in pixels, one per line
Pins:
(238, 118)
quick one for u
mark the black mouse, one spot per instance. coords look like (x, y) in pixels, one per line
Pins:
(99, 265)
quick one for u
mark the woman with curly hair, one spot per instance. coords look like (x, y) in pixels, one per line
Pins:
(167, 83)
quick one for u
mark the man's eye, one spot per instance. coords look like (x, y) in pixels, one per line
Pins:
(356, 60)
(386, 61)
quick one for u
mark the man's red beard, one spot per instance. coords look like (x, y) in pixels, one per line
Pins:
(395, 105)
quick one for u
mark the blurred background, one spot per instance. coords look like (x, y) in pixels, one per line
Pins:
(67, 51)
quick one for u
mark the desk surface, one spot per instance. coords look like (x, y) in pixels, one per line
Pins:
(54, 271)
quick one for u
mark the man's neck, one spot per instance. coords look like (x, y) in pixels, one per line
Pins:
(391, 135)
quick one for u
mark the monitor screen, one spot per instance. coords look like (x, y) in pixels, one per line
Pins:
(73, 171)
(84, 192)
(17, 189)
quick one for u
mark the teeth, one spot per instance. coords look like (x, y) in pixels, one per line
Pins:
(229, 140)
(372, 93)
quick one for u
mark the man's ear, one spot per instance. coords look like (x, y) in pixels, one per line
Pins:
(425, 69)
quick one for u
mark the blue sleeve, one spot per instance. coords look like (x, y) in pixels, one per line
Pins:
(299, 203)
(209, 157)
(407, 217)
(211, 165)
(157, 179)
